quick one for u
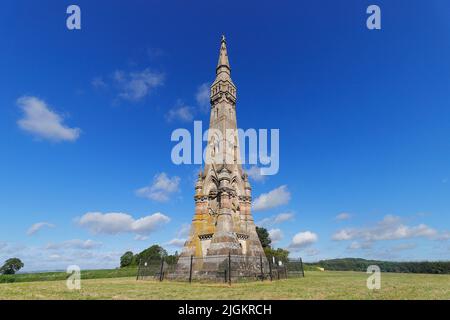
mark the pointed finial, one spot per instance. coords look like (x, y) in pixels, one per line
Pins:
(223, 64)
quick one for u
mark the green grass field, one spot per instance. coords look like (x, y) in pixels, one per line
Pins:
(54, 276)
(316, 285)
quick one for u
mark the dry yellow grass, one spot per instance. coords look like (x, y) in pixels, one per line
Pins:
(316, 285)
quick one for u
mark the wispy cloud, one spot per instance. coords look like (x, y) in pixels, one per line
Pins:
(277, 197)
(343, 216)
(180, 112)
(38, 226)
(255, 174)
(39, 120)
(202, 97)
(99, 83)
(176, 242)
(117, 222)
(390, 228)
(140, 237)
(161, 188)
(355, 245)
(444, 235)
(183, 231)
(275, 235)
(180, 237)
(74, 244)
(134, 86)
(279, 218)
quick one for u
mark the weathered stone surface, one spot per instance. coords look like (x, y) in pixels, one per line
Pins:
(222, 223)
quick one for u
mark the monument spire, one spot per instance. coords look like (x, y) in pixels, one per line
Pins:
(223, 223)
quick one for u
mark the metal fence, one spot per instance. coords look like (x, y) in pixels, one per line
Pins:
(223, 268)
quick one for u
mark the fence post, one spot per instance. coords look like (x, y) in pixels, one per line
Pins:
(225, 276)
(139, 270)
(270, 269)
(303, 270)
(261, 265)
(161, 276)
(190, 269)
(229, 268)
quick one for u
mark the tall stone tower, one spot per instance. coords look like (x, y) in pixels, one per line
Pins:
(223, 223)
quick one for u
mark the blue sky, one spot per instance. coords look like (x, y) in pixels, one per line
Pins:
(86, 118)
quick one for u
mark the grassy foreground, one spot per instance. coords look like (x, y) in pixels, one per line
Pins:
(316, 285)
(54, 276)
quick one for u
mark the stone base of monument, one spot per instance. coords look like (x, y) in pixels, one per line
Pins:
(218, 267)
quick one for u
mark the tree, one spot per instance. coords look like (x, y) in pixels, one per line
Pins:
(126, 259)
(11, 266)
(173, 258)
(155, 252)
(264, 237)
(279, 254)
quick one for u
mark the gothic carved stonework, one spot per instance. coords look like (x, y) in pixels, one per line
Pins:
(223, 223)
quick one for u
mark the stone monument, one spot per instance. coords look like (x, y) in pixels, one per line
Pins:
(222, 224)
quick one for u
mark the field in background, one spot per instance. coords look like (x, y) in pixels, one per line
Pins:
(316, 285)
(55, 276)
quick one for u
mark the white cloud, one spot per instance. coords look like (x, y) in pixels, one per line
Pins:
(180, 112)
(176, 242)
(280, 218)
(115, 223)
(134, 86)
(38, 226)
(184, 113)
(275, 235)
(74, 244)
(44, 123)
(59, 255)
(161, 189)
(303, 239)
(203, 97)
(390, 228)
(272, 199)
(343, 216)
(255, 174)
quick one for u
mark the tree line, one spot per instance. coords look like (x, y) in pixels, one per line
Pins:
(357, 264)
(156, 252)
